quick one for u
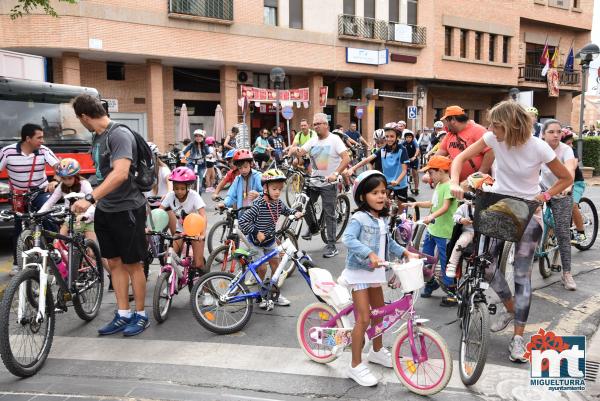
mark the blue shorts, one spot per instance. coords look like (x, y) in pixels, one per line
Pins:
(578, 190)
(414, 164)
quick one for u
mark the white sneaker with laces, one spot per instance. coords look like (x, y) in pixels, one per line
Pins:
(382, 357)
(362, 375)
(501, 322)
(263, 304)
(450, 270)
(282, 301)
(517, 349)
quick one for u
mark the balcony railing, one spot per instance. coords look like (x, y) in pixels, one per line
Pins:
(380, 30)
(533, 73)
(217, 9)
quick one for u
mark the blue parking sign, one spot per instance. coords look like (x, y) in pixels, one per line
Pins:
(412, 112)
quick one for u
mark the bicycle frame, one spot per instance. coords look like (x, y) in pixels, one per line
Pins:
(175, 281)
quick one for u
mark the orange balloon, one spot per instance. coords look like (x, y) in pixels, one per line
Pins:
(194, 225)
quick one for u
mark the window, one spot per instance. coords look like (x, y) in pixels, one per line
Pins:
(463, 43)
(394, 11)
(477, 45)
(270, 12)
(264, 81)
(411, 16)
(477, 116)
(115, 71)
(349, 7)
(369, 8)
(575, 3)
(448, 41)
(492, 47)
(296, 14)
(196, 80)
(505, 48)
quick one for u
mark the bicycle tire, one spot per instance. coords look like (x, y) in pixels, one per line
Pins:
(302, 331)
(6, 352)
(471, 377)
(162, 284)
(95, 273)
(550, 257)
(24, 243)
(398, 361)
(417, 214)
(222, 235)
(222, 264)
(418, 237)
(590, 241)
(342, 214)
(204, 317)
(293, 185)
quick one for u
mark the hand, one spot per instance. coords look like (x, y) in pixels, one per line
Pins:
(332, 178)
(466, 221)
(349, 171)
(394, 183)
(221, 205)
(567, 190)
(457, 191)
(410, 204)
(540, 198)
(298, 215)
(253, 195)
(51, 186)
(411, 255)
(260, 236)
(428, 219)
(215, 196)
(80, 206)
(374, 260)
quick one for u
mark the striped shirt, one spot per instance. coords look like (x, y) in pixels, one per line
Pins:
(18, 166)
(262, 217)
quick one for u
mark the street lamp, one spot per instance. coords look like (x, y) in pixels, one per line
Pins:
(586, 56)
(277, 76)
(347, 93)
(513, 93)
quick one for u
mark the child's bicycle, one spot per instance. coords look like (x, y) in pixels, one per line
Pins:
(421, 358)
(223, 304)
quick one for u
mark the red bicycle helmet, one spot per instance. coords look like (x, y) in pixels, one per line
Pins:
(241, 155)
(182, 174)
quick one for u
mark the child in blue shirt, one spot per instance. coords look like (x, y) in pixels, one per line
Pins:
(247, 186)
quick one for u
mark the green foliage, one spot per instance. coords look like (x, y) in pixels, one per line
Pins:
(591, 153)
(24, 7)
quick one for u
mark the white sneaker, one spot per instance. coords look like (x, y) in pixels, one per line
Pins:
(249, 279)
(208, 300)
(382, 357)
(362, 375)
(568, 282)
(517, 349)
(282, 301)
(263, 304)
(14, 270)
(450, 271)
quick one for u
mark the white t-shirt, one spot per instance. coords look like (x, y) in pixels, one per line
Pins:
(518, 168)
(192, 203)
(324, 154)
(377, 275)
(211, 156)
(163, 178)
(563, 153)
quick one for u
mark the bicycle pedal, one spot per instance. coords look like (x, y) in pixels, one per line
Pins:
(492, 309)
(556, 268)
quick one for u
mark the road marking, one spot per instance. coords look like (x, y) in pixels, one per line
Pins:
(551, 298)
(577, 314)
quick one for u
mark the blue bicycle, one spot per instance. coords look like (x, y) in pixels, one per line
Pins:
(223, 304)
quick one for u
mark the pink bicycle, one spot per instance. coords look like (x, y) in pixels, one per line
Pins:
(421, 358)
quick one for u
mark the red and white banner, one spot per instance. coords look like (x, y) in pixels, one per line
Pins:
(270, 95)
(323, 96)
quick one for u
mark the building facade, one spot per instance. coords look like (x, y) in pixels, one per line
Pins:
(152, 56)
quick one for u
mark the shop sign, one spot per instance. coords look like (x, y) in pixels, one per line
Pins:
(364, 56)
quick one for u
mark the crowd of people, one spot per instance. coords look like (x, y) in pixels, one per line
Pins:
(515, 156)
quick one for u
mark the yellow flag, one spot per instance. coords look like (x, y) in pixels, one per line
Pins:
(554, 59)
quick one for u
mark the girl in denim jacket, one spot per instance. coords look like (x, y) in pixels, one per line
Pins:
(369, 242)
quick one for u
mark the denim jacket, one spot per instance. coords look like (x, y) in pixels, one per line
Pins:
(362, 237)
(235, 195)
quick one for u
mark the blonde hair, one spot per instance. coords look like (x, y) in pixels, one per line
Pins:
(515, 121)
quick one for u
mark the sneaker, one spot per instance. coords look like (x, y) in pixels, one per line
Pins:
(382, 357)
(430, 287)
(208, 300)
(568, 282)
(579, 238)
(517, 349)
(449, 301)
(116, 325)
(451, 270)
(137, 325)
(362, 375)
(502, 322)
(262, 304)
(14, 270)
(331, 252)
(282, 301)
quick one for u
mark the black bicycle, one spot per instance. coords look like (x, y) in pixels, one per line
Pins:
(73, 265)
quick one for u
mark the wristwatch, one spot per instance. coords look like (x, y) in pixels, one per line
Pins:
(546, 196)
(90, 198)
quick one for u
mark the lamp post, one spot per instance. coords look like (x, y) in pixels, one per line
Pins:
(277, 76)
(513, 94)
(586, 56)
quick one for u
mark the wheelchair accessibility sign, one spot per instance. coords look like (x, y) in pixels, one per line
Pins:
(412, 112)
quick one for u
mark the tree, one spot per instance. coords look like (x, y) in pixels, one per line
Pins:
(26, 6)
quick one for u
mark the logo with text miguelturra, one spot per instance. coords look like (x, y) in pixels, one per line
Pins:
(557, 362)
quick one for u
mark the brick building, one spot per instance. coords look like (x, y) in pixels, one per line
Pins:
(151, 56)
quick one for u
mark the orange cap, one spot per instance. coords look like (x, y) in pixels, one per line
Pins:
(438, 162)
(453, 111)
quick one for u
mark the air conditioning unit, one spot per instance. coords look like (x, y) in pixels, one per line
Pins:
(245, 78)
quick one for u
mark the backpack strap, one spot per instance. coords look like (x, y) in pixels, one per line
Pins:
(112, 127)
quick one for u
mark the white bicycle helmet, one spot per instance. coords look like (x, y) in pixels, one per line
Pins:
(379, 135)
(438, 124)
(402, 122)
(153, 148)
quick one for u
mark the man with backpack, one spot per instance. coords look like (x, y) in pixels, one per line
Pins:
(120, 210)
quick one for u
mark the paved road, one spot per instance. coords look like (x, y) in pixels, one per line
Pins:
(180, 360)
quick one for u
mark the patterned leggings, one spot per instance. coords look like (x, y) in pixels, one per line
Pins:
(524, 252)
(562, 211)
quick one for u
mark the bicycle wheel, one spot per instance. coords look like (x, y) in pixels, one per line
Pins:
(342, 215)
(550, 258)
(214, 315)
(24, 343)
(220, 260)
(89, 282)
(293, 185)
(430, 376)
(161, 301)
(590, 221)
(475, 336)
(419, 236)
(415, 212)
(24, 243)
(217, 235)
(315, 315)
(507, 260)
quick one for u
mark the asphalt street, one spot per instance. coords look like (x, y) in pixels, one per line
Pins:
(180, 360)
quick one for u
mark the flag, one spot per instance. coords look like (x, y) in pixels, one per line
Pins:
(544, 57)
(570, 61)
(546, 67)
(554, 59)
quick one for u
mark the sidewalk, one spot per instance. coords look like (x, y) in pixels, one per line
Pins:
(593, 366)
(593, 182)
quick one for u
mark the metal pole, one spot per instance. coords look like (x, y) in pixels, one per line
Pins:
(584, 69)
(288, 132)
(277, 106)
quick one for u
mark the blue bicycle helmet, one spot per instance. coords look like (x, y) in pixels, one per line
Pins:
(229, 154)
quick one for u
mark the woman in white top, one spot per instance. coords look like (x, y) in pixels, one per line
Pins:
(163, 186)
(519, 158)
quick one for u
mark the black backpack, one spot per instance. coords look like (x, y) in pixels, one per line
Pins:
(144, 173)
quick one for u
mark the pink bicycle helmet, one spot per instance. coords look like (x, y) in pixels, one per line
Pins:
(182, 174)
(209, 141)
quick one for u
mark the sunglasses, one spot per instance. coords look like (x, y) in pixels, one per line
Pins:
(315, 124)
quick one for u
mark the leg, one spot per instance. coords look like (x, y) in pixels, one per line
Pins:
(92, 235)
(463, 241)
(376, 300)
(360, 299)
(561, 210)
(497, 281)
(415, 174)
(429, 249)
(329, 198)
(440, 244)
(135, 272)
(120, 280)
(172, 222)
(577, 218)
(198, 248)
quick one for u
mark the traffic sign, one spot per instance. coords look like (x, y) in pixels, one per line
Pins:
(359, 112)
(412, 112)
(287, 112)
